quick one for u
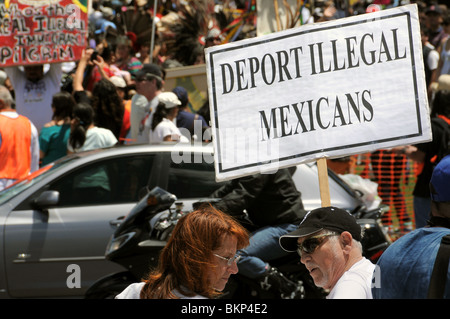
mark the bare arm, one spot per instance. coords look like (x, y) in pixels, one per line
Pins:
(79, 73)
(411, 152)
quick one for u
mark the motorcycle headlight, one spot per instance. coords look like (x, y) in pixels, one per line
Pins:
(118, 242)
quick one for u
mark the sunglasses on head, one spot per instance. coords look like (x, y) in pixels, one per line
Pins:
(310, 244)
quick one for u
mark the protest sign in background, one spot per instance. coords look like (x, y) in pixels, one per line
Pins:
(330, 89)
(38, 31)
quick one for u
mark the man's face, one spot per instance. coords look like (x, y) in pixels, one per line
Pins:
(146, 87)
(326, 263)
(434, 20)
(34, 72)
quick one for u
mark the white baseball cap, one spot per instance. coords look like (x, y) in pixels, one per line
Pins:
(169, 99)
(118, 81)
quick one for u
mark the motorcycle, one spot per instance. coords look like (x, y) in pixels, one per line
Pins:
(142, 234)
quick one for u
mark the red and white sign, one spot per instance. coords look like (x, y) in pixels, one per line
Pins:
(38, 32)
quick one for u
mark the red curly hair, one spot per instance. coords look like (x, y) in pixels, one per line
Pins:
(186, 260)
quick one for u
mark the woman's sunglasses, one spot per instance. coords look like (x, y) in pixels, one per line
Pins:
(310, 244)
(231, 260)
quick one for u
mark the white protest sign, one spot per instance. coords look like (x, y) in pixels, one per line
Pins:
(329, 89)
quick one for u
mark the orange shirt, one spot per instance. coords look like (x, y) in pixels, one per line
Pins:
(15, 155)
(126, 122)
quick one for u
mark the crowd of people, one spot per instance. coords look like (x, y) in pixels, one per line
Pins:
(115, 94)
(121, 79)
(107, 97)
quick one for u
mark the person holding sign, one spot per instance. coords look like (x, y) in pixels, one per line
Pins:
(34, 89)
(328, 241)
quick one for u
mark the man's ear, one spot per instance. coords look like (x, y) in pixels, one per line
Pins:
(346, 241)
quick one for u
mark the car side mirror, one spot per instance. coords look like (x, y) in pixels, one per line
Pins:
(46, 200)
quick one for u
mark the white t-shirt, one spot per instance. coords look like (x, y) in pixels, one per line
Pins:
(164, 128)
(34, 100)
(433, 58)
(355, 283)
(133, 291)
(96, 137)
(138, 110)
(146, 121)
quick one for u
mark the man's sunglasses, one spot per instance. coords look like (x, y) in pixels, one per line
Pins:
(310, 244)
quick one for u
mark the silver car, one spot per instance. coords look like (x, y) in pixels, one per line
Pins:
(57, 222)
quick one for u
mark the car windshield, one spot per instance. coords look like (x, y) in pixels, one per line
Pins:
(22, 184)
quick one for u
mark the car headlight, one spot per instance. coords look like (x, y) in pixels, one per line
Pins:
(118, 242)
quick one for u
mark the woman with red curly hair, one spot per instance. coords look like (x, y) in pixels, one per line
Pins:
(197, 261)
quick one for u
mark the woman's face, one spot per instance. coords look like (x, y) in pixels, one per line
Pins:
(122, 51)
(221, 273)
(174, 112)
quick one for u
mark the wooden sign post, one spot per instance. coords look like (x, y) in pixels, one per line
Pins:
(323, 182)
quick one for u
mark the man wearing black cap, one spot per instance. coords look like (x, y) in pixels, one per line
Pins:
(434, 22)
(328, 242)
(149, 83)
(406, 266)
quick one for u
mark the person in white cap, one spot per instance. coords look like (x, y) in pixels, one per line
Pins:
(163, 129)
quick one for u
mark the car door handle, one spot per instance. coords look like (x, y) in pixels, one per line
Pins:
(116, 222)
(23, 256)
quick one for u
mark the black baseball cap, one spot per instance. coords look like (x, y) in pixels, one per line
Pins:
(434, 9)
(330, 218)
(151, 70)
(440, 192)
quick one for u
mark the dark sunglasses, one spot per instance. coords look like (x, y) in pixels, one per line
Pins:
(310, 244)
